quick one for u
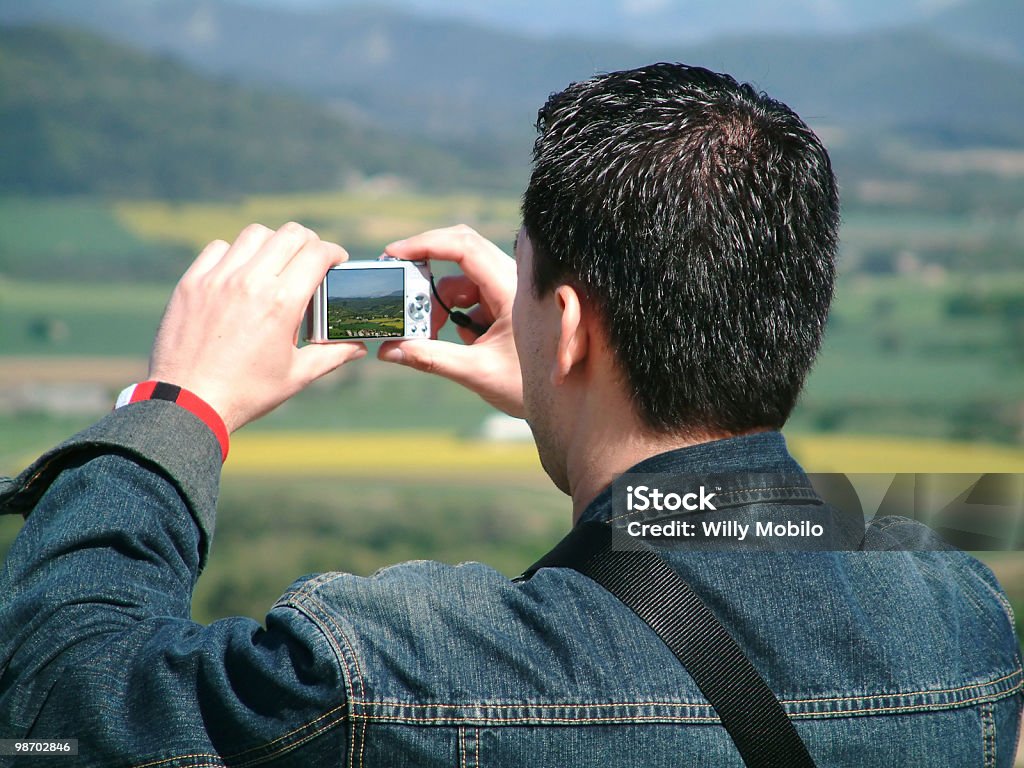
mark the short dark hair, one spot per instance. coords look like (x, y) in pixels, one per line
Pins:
(701, 219)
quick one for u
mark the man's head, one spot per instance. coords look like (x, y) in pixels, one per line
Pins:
(698, 219)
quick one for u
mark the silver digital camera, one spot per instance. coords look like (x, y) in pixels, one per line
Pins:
(371, 301)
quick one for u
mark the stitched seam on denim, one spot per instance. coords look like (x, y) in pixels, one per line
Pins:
(573, 705)
(292, 732)
(359, 672)
(799, 491)
(541, 721)
(308, 588)
(1008, 608)
(318, 609)
(312, 585)
(534, 706)
(294, 745)
(988, 736)
(469, 739)
(339, 656)
(998, 594)
(317, 729)
(273, 753)
(166, 760)
(982, 684)
(906, 708)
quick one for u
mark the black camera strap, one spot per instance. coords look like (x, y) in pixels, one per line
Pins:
(640, 578)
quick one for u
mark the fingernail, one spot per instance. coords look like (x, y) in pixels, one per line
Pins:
(393, 355)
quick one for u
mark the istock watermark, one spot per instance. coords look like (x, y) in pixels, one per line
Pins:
(722, 529)
(821, 511)
(641, 498)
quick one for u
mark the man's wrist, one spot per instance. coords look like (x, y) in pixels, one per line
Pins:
(159, 390)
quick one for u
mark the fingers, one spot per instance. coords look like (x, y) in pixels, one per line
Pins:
(278, 252)
(248, 242)
(316, 360)
(479, 259)
(263, 252)
(491, 370)
(453, 361)
(306, 270)
(208, 258)
(293, 253)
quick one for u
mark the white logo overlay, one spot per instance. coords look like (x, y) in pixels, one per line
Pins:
(792, 510)
(710, 510)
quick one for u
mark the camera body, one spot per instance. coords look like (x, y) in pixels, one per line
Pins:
(371, 301)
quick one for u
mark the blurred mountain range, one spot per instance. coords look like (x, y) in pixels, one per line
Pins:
(993, 27)
(81, 115)
(645, 21)
(468, 93)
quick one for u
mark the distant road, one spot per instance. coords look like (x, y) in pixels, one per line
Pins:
(107, 371)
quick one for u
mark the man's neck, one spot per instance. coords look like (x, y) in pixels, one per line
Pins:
(601, 451)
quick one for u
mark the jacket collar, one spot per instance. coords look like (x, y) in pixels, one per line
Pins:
(744, 455)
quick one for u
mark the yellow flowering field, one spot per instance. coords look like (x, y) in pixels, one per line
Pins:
(437, 453)
(346, 217)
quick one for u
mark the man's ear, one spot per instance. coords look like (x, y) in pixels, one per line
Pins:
(573, 339)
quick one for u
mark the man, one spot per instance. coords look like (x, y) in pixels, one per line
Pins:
(670, 289)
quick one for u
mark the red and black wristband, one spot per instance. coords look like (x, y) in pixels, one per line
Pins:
(160, 390)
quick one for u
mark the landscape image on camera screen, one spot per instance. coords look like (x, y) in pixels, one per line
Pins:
(365, 303)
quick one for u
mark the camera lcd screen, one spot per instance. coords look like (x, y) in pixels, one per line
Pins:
(365, 303)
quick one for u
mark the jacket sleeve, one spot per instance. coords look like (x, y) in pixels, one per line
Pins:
(96, 643)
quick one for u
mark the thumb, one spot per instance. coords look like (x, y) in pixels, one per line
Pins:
(458, 362)
(316, 360)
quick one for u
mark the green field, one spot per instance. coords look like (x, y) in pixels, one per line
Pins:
(361, 317)
(83, 318)
(271, 531)
(293, 528)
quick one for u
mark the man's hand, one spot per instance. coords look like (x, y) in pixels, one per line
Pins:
(487, 364)
(229, 333)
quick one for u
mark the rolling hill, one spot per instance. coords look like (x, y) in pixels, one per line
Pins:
(640, 21)
(81, 115)
(303, 99)
(994, 27)
(478, 88)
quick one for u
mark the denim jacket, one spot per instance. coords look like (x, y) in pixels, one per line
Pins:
(880, 658)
